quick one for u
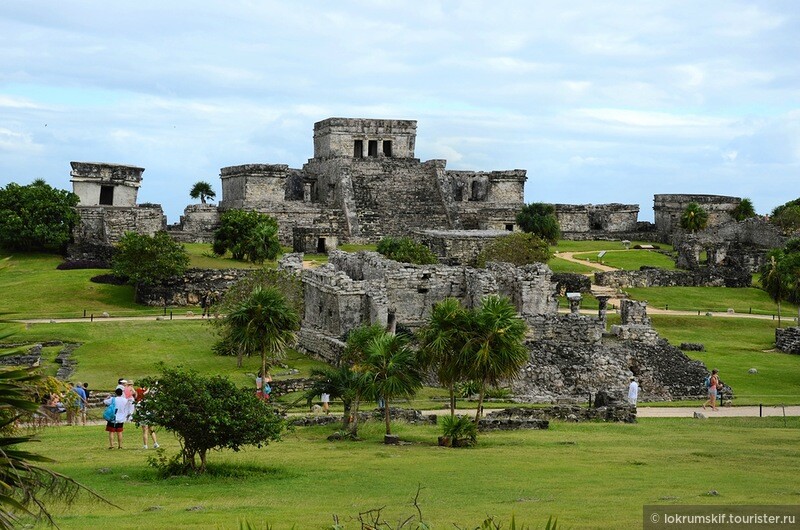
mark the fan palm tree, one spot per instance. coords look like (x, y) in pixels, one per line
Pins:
(694, 217)
(391, 370)
(774, 280)
(263, 323)
(341, 383)
(202, 190)
(495, 347)
(23, 479)
(442, 342)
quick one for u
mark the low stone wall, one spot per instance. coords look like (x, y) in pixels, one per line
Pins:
(187, 289)
(652, 277)
(570, 328)
(788, 339)
(619, 413)
(571, 282)
(396, 414)
(320, 345)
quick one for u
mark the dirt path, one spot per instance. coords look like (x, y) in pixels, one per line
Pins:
(675, 412)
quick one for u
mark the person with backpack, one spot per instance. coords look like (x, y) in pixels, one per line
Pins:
(712, 382)
(117, 412)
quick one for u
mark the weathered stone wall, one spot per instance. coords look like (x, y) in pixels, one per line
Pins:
(570, 328)
(313, 240)
(651, 277)
(101, 227)
(597, 219)
(621, 413)
(788, 339)
(189, 288)
(668, 208)
(457, 247)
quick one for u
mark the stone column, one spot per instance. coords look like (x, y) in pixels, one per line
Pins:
(602, 307)
(574, 303)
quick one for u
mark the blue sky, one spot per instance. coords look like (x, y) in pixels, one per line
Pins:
(600, 103)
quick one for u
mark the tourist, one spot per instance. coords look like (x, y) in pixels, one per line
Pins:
(123, 411)
(326, 398)
(205, 303)
(263, 387)
(633, 391)
(147, 431)
(80, 402)
(712, 384)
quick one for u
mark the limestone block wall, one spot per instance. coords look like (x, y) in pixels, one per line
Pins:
(668, 208)
(101, 227)
(88, 178)
(189, 288)
(788, 339)
(457, 247)
(705, 277)
(530, 287)
(253, 183)
(334, 303)
(597, 219)
(569, 328)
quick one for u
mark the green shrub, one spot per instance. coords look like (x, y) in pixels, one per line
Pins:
(147, 259)
(406, 250)
(461, 431)
(36, 217)
(540, 219)
(518, 248)
(250, 236)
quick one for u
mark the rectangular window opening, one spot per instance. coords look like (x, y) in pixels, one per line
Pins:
(387, 148)
(321, 245)
(509, 227)
(107, 195)
(372, 149)
(358, 149)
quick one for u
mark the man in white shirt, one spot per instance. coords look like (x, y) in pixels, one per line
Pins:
(633, 391)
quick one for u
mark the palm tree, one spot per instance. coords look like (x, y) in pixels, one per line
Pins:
(694, 217)
(442, 342)
(341, 383)
(495, 346)
(24, 481)
(773, 279)
(264, 323)
(202, 190)
(391, 370)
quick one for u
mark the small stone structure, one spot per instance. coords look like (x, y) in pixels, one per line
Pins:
(457, 247)
(197, 225)
(313, 240)
(668, 209)
(108, 210)
(189, 288)
(601, 221)
(788, 339)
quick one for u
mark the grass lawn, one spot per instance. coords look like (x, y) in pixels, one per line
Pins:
(630, 259)
(557, 264)
(132, 349)
(734, 346)
(201, 257)
(591, 475)
(565, 245)
(704, 299)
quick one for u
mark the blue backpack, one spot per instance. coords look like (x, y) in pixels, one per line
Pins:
(707, 382)
(110, 414)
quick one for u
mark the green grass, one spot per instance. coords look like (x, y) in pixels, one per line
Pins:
(201, 257)
(132, 349)
(734, 346)
(592, 475)
(703, 299)
(557, 264)
(630, 259)
(565, 245)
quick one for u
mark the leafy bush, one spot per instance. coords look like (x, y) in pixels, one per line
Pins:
(694, 217)
(540, 219)
(36, 217)
(517, 248)
(250, 236)
(406, 250)
(787, 217)
(205, 413)
(149, 260)
(460, 430)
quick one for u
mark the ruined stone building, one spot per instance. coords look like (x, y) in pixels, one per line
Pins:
(571, 354)
(600, 221)
(108, 209)
(364, 183)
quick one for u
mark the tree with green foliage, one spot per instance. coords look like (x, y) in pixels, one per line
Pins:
(744, 210)
(442, 340)
(263, 323)
(518, 248)
(202, 190)
(780, 276)
(391, 370)
(495, 349)
(787, 217)
(250, 236)
(342, 383)
(694, 217)
(540, 219)
(25, 482)
(406, 250)
(205, 413)
(148, 260)
(36, 217)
